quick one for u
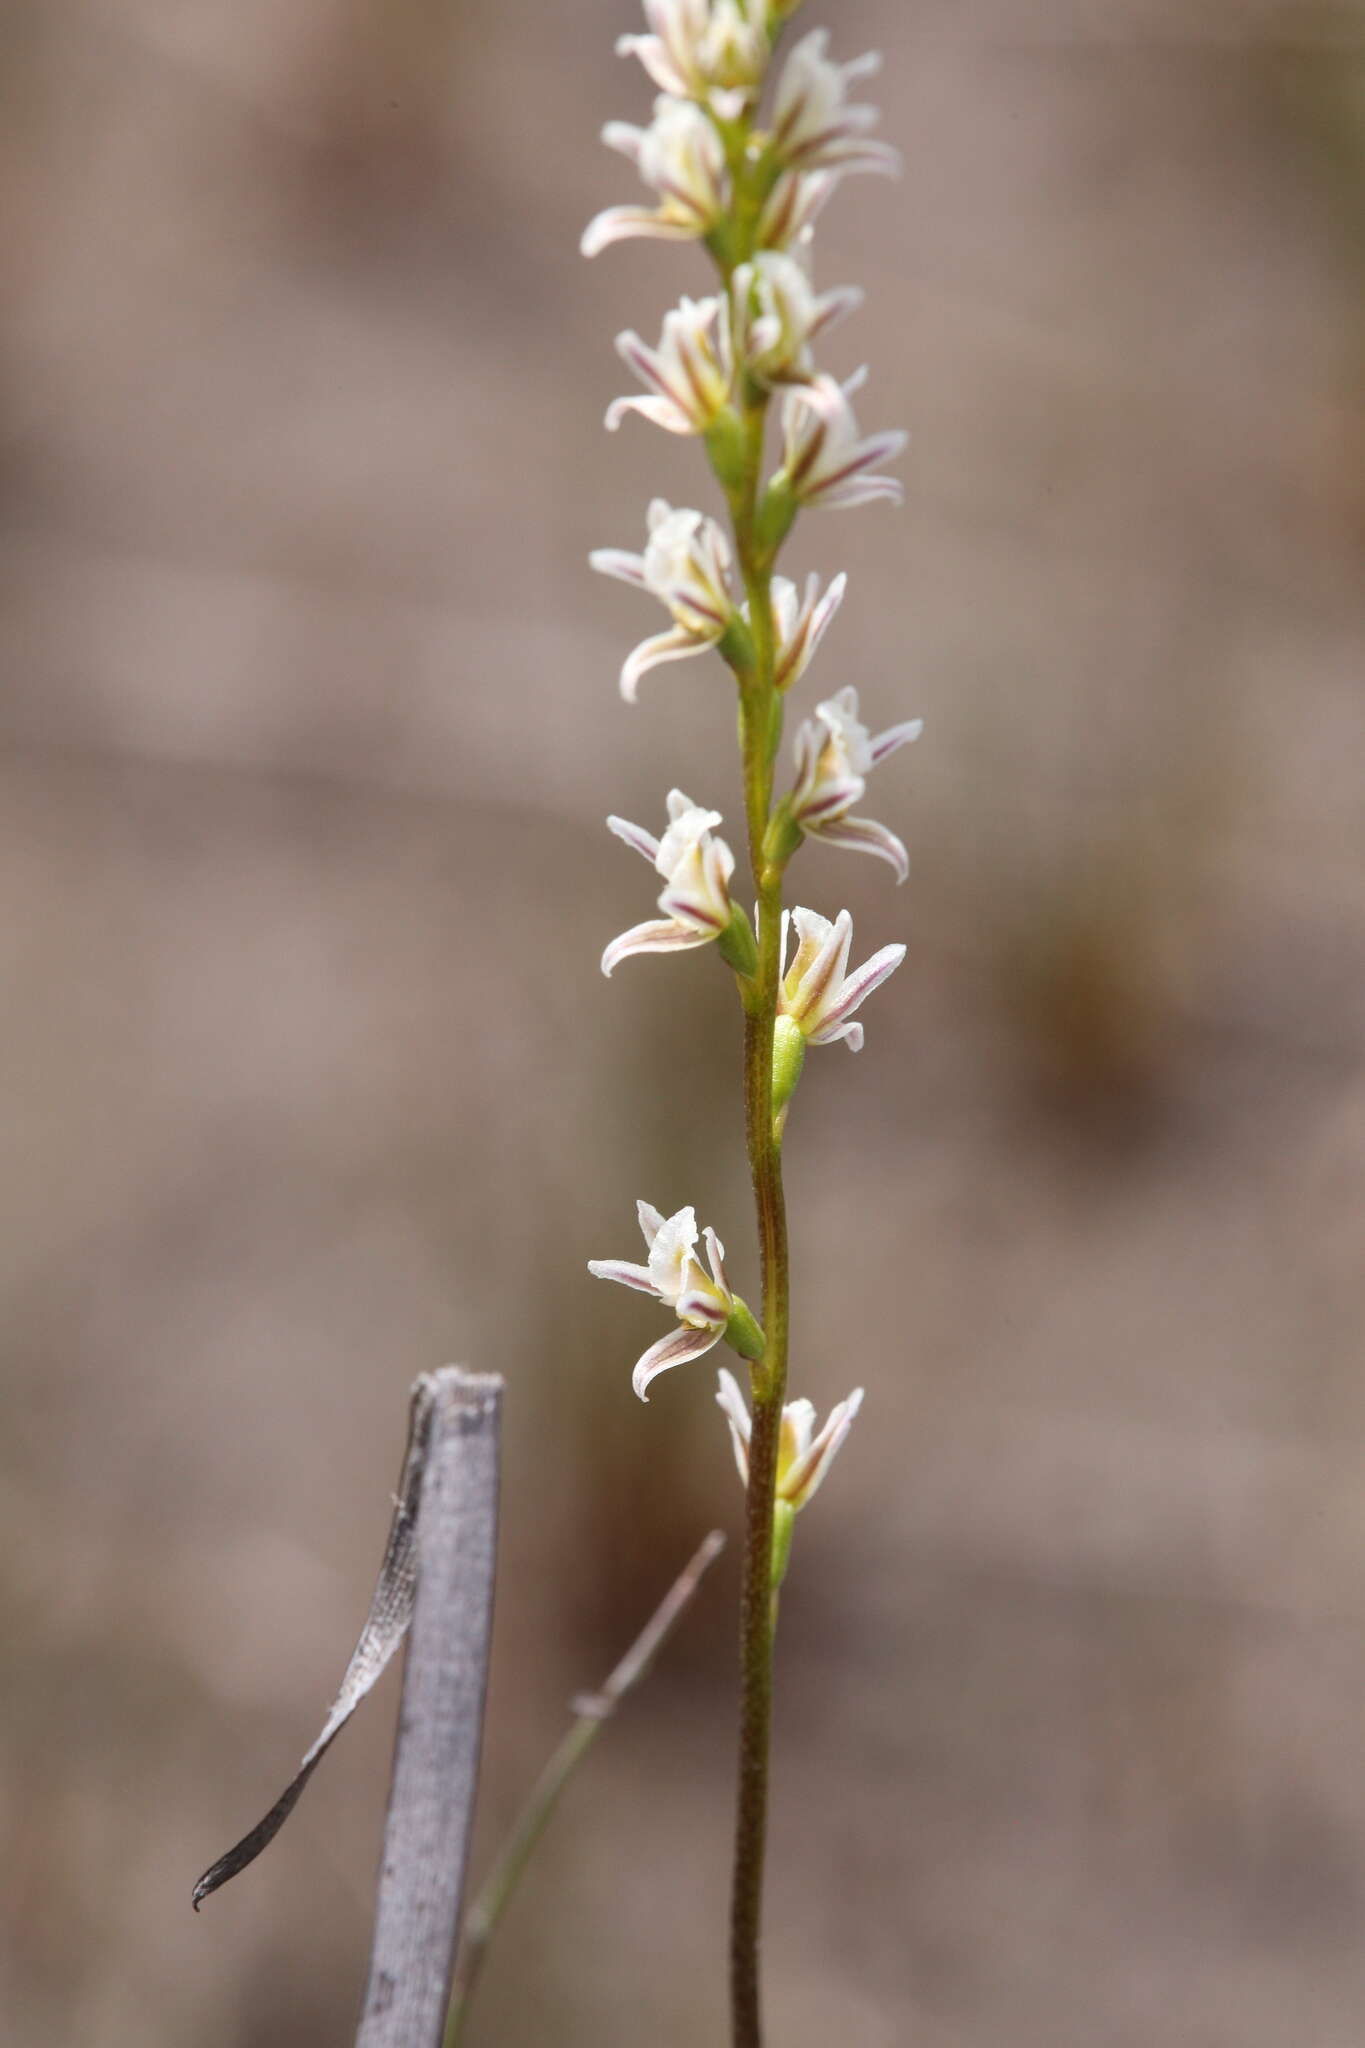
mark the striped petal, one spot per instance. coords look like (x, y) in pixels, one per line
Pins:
(731, 1404)
(895, 736)
(619, 562)
(802, 1479)
(642, 842)
(853, 993)
(626, 1274)
(660, 936)
(679, 1347)
(674, 645)
(624, 223)
(661, 412)
(862, 835)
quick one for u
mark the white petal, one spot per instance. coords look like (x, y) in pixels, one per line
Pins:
(623, 1271)
(675, 645)
(821, 979)
(618, 562)
(849, 484)
(896, 736)
(731, 1404)
(663, 936)
(661, 411)
(798, 1427)
(672, 1254)
(655, 58)
(854, 992)
(651, 1222)
(625, 138)
(644, 843)
(831, 796)
(862, 835)
(825, 610)
(832, 307)
(679, 1347)
(621, 223)
(858, 490)
(802, 1481)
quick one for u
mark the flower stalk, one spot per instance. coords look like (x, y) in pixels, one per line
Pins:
(748, 187)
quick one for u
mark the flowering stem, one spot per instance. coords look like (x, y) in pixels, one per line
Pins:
(751, 195)
(768, 1376)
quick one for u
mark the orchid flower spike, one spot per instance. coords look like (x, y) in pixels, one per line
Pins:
(691, 373)
(712, 51)
(778, 314)
(803, 1457)
(816, 991)
(704, 1305)
(823, 460)
(696, 895)
(681, 156)
(813, 127)
(834, 754)
(687, 565)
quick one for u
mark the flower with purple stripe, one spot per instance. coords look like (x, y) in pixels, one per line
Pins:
(681, 156)
(696, 895)
(824, 462)
(813, 126)
(687, 565)
(834, 755)
(702, 1302)
(817, 992)
(690, 373)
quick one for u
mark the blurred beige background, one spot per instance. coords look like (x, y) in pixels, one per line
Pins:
(310, 1080)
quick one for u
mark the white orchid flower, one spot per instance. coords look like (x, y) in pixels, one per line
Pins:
(703, 1304)
(834, 754)
(712, 51)
(813, 126)
(778, 313)
(681, 157)
(687, 565)
(696, 895)
(792, 208)
(800, 623)
(823, 460)
(803, 1456)
(691, 372)
(817, 993)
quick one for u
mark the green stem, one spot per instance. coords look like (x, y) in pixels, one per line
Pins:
(759, 707)
(760, 723)
(589, 1715)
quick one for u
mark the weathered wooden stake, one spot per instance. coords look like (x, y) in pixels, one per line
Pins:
(436, 1754)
